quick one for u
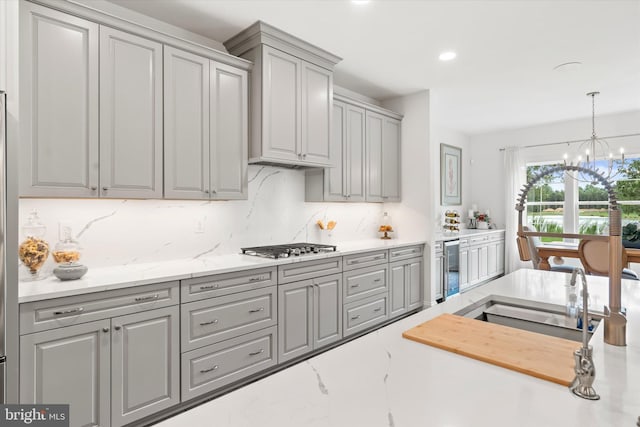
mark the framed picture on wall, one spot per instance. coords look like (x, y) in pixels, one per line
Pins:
(450, 175)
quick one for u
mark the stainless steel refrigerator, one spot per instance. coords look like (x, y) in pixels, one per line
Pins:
(3, 237)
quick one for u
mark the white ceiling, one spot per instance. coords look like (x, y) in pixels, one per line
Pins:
(503, 76)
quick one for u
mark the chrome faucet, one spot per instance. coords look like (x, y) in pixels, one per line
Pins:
(582, 384)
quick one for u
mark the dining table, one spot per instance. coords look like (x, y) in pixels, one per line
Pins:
(570, 250)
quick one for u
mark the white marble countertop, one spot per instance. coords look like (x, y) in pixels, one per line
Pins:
(383, 380)
(441, 237)
(116, 277)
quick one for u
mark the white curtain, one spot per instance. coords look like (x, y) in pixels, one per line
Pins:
(515, 170)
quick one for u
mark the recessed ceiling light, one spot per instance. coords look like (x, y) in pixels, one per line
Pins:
(359, 2)
(447, 56)
(568, 66)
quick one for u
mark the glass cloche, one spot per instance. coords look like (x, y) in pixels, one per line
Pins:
(67, 254)
(33, 251)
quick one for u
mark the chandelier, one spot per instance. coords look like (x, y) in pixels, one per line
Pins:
(596, 155)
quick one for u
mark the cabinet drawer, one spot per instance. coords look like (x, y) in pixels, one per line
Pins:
(309, 269)
(48, 314)
(217, 319)
(478, 239)
(438, 246)
(224, 284)
(464, 242)
(364, 260)
(209, 368)
(496, 236)
(361, 315)
(365, 282)
(405, 253)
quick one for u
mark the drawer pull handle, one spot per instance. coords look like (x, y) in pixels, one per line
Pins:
(357, 316)
(210, 322)
(73, 310)
(355, 261)
(147, 298)
(255, 279)
(205, 287)
(255, 353)
(377, 280)
(256, 310)
(377, 309)
(355, 286)
(378, 257)
(213, 368)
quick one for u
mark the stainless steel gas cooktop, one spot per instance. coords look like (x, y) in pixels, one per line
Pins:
(285, 251)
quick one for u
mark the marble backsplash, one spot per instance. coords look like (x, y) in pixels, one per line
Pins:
(119, 232)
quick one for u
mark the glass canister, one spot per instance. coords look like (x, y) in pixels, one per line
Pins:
(386, 227)
(34, 250)
(67, 254)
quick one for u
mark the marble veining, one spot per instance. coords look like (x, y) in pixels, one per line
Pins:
(321, 386)
(426, 386)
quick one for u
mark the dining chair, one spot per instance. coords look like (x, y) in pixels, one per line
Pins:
(534, 242)
(594, 255)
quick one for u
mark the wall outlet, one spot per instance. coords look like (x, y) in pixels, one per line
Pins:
(200, 225)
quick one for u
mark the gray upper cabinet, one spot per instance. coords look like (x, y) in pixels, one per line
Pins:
(291, 98)
(58, 102)
(186, 125)
(206, 128)
(375, 123)
(130, 115)
(70, 366)
(391, 159)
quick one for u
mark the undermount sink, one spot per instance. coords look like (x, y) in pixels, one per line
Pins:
(547, 319)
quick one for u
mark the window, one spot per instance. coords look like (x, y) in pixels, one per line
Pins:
(550, 208)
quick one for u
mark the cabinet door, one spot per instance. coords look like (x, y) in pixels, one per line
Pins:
(186, 125)
(473, 275)
(492, 259)
(229, 132)
(398, 297)
(281, 110)
(464, 268)
(483, 262)
(295, 317)
(374, 135)
(58, 104)
(439, 275)
(130, 116)
(391, 160)
(500, 257)
(327, 322)
(69, 365)
(414, 283)
(355, 149)
(335, 182)
(316, 102)
(145, 364)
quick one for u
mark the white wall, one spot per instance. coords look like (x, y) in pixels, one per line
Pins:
(487, 169)
(118, 232)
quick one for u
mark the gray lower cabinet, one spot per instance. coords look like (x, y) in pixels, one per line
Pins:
(366, 313)
(145, 376)
(69, 365)
(309, 315)
(110, 372)
(209, 368)
(405, 286)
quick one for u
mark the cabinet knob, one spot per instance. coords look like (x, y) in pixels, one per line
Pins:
(213, 191)
(304, 156)
(117, 328)
(105, 330)
(105, 188)
(206, 191)
(94, 188)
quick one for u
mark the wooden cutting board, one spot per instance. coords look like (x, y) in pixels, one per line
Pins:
(541, 356)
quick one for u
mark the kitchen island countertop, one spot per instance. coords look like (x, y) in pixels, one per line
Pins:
(382, 380)
(123, 276)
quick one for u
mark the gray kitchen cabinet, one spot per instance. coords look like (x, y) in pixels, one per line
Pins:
(345, 181)
(58, 102)
(113, 356)
(130, 115)
(308, 270)
(206, 128)
(374, 126)
(69, 366)
(405, 286)
(365, 313)
(439, 270)
(292, 94)
(309, 315)
(365, 282)
(391, 159)
(145, 364)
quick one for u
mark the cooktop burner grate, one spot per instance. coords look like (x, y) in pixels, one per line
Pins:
(285, 251)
